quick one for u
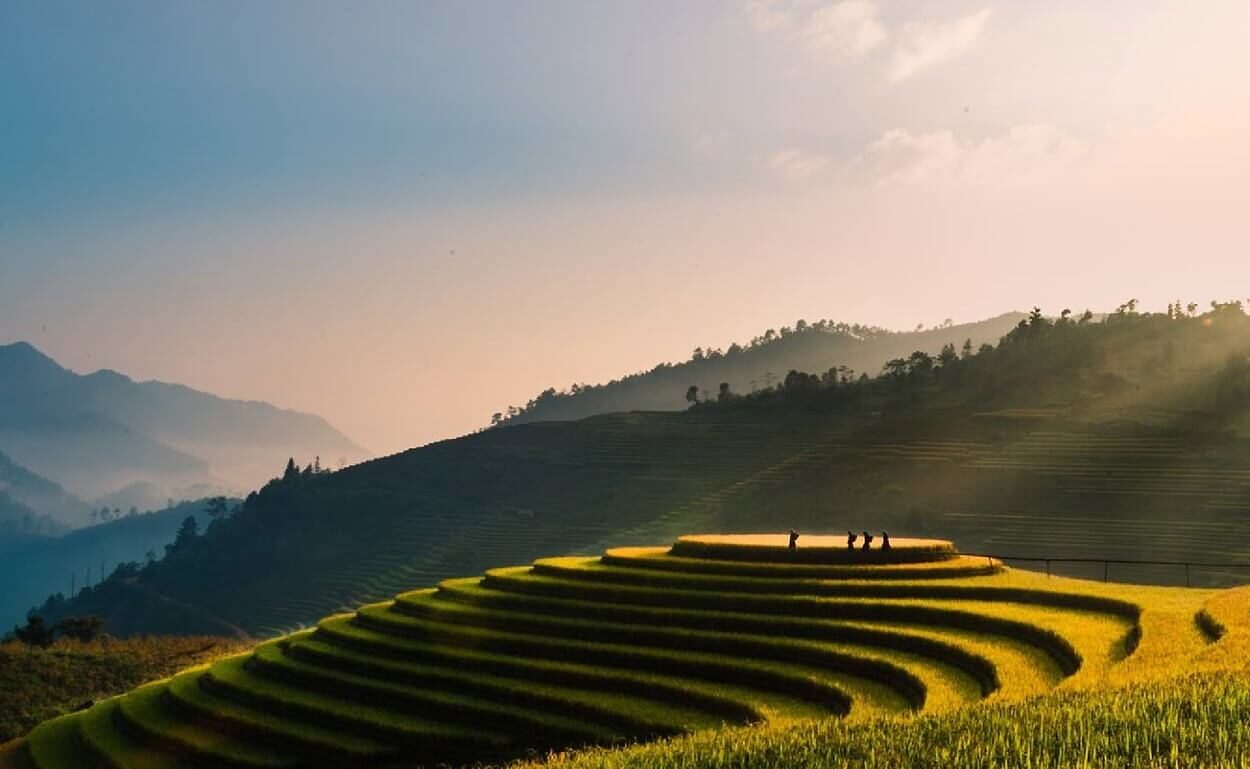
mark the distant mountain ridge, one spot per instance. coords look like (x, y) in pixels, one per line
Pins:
(810, 347)
(98, 433)
(30, 505)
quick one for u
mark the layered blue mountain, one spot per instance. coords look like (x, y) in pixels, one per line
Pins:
(104, 437)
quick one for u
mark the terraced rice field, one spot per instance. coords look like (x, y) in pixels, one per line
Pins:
(1165, 501)
(644, 643)
(1034, 493)
(648, 477)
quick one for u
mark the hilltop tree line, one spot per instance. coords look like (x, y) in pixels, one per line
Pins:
(38, 633)
(750, 365)
(1045, 359)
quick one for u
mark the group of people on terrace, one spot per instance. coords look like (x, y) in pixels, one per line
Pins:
(851, 538)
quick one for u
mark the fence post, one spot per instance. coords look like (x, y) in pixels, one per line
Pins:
(1106, 565)
(1047, 567)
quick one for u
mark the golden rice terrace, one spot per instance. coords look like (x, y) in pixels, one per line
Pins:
(644, 643)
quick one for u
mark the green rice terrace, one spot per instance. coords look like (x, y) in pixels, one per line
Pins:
(738, 641)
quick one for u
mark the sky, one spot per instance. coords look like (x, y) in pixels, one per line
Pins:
(406, 216)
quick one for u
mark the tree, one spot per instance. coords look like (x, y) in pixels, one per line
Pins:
(799, 380)
(919, 362)
(966, 351)
(723, 394)
(692, 394)
(187, 533)
(948, 354)
(216, 508)
(82, 629)
(36, 633)
(291, 473)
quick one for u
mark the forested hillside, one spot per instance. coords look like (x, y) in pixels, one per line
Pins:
(1070, 437)
(32, 567)
(852, 349)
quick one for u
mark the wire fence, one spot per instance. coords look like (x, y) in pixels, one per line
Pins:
(1108, 562)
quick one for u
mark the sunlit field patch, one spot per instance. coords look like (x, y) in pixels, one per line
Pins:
(726, 660)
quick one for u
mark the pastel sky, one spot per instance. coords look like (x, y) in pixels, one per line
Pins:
(405, 216)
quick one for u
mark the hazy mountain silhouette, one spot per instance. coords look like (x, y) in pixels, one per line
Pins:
(101, 432)
(814, 347)
(31, 504)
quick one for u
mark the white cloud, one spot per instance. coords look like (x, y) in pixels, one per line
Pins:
(797, 164)
(925, 44)
(845, 30)
(828, 32)
(1026, 154)
(768, 15)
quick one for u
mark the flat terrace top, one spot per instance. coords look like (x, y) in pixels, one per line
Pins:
(812, 548)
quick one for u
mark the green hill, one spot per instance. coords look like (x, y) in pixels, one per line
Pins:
(756, 365)
(648, 643)
(1117, 439)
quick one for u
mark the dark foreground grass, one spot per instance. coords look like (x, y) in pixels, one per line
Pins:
(39, 684)
(1196, 721)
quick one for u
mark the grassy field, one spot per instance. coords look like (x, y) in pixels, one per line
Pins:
(1194, 721)
(38, 684)
(648, 657)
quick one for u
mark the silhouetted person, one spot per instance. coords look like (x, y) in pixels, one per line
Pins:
(885, 540)
(794, 539)
(867, 541)
(850, 539)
